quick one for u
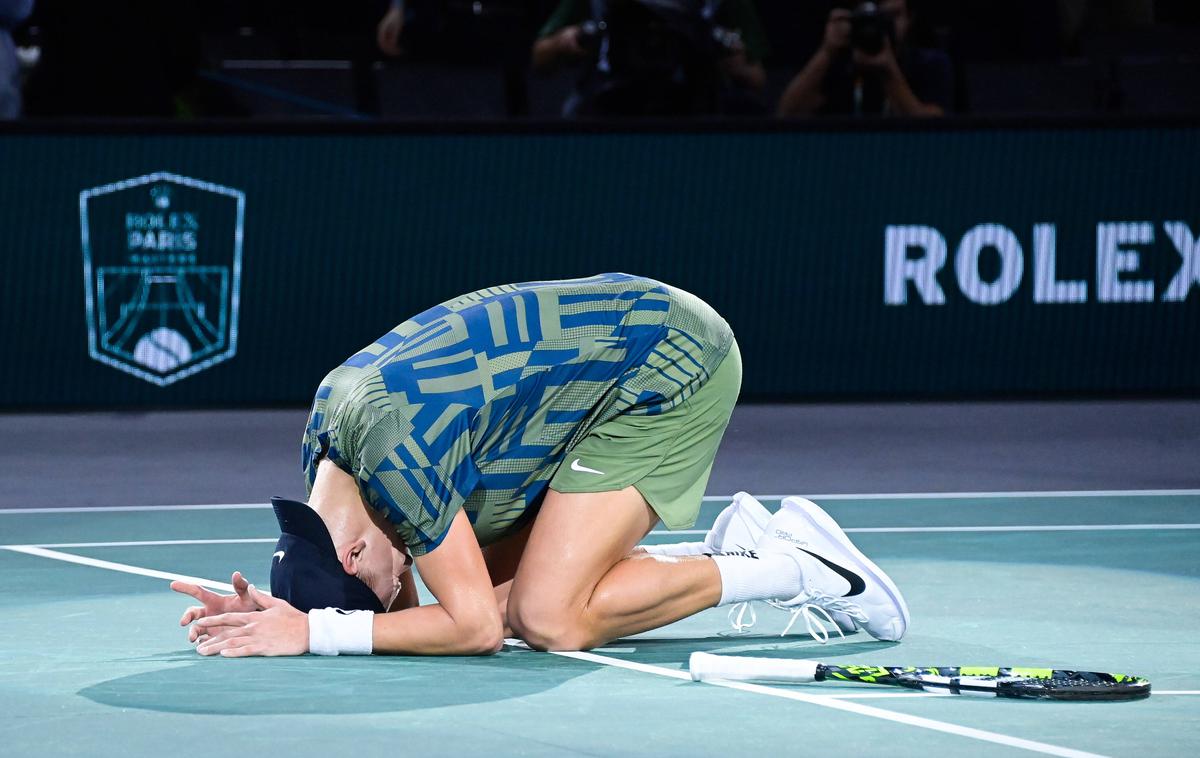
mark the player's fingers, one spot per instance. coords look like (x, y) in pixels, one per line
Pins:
(217, 635)
(199, 638)
(194, 590)
(197, 635)
(240, 585)
(191, 614)
(222, 619)
(263, 600)
(241, 651)
(217, 641)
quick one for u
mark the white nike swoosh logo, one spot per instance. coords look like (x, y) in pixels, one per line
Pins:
(278, 554)
(575, 466)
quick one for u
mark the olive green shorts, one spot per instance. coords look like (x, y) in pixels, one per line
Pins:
(667, 457)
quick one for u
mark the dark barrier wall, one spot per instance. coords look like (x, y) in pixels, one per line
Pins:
(231, 269)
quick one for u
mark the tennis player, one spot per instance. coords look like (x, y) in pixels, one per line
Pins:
(517, 443)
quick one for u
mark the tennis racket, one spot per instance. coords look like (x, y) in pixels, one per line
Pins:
(986, 681)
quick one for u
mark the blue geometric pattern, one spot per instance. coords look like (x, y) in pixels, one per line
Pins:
(473, 403)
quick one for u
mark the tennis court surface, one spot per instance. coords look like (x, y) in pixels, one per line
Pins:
(93, 663)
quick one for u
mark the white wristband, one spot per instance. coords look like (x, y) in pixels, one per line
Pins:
(332, 631)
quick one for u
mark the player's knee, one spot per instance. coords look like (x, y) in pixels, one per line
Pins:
(544, 628)
(535, 626)
(562, 637)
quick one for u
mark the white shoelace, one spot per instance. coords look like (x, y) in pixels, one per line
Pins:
(815, 616)
(737, 617)
(819, 607)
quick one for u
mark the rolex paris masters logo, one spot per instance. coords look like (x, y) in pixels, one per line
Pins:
(162, 260)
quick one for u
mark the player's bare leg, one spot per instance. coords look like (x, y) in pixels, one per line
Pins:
(502, 559)
(577, 585)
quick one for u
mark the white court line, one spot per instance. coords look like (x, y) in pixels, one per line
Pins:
(1012, 528)
(136, 508)
(986, 494)
(885, 695)
(124, 568)
(149, 543)
(707, 498)
(917, 721)
(681, 532)
(878, 695)
(827, 701)
(1026, 528)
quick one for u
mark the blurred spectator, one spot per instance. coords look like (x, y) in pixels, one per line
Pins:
(12, 13)
(865, 66)
(458, 31)
(667, 57)
(387, 34)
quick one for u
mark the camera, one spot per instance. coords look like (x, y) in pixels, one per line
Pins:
(591, 34)
(871, 28)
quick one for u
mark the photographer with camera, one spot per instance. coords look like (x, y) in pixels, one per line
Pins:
(667, 57)
(865, 67)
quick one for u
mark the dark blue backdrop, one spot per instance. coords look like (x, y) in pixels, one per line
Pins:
(344, 234)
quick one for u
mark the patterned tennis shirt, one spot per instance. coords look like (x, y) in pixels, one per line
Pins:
(473, 404)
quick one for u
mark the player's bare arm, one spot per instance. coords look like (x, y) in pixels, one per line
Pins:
(465, 621)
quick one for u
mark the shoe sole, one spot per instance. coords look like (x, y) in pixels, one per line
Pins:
(823, 523)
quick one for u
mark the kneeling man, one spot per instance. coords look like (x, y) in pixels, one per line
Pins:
(517, 443)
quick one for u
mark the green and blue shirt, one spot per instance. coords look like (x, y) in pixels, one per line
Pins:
(473, 404)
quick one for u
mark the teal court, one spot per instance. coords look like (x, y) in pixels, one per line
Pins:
(92, 661)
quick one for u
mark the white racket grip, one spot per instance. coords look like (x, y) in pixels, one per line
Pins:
(735, 668)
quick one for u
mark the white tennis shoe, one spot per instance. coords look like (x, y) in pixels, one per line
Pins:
(736, 531)
(738, 528)
(835, 575)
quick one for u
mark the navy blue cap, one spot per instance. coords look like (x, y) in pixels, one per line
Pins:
(305, 570)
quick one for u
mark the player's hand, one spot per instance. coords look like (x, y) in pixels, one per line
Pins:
(213, 604)
(279, 629)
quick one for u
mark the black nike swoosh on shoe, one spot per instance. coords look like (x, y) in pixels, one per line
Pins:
(857, 585)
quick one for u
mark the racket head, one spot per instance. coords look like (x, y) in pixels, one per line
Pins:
(1034, 683)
